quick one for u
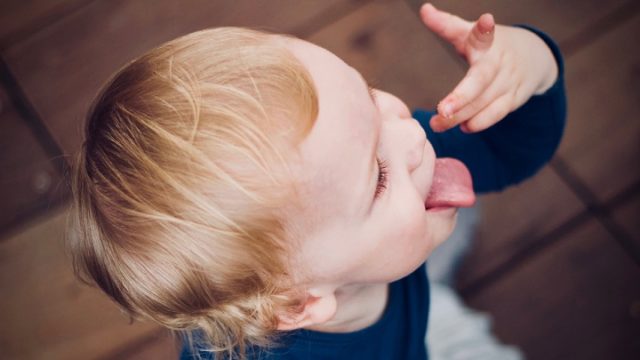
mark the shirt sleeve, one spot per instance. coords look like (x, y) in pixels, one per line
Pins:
(516, 147)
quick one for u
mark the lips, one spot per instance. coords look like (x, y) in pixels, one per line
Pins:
(451, 186)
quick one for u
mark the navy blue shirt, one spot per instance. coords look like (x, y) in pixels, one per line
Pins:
(505, 154)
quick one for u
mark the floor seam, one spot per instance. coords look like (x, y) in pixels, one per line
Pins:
(522, 256)
(27, 112)
(40, 24)
(555, 236)
(600, 210)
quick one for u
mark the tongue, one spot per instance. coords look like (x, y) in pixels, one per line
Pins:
(451, 186)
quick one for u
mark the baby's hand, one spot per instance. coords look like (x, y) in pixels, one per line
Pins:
(507, 65)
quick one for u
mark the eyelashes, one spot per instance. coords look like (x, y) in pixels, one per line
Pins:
(383, 170)
(383, 173)
(372, 94)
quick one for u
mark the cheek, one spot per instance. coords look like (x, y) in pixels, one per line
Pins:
(392, 104)
(409, 227)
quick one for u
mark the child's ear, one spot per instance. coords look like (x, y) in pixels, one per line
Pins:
(317, 310)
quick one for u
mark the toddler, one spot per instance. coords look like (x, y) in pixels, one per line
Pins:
(251, 190)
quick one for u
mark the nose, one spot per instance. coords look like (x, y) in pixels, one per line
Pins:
(407, 135)
(409, 139)
(416, 140)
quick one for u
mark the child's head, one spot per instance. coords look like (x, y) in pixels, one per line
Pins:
(227, 182)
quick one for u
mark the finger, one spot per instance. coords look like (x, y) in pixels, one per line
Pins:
(482, 33)
(491, 114)
(449, 27)
(440, 123)
(477, 79)
(497, 88)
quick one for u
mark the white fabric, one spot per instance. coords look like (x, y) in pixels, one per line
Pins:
(444, 260)
(456, 332)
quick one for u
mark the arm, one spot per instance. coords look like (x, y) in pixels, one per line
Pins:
(516, 147)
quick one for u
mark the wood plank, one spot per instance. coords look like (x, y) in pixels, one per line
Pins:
(602, 144)
(160, 346)
(62, 66)
(577, 300)
(387, 42)
(19, 18)
(512, 220)
(626, 216)
(562, 20)
(46, 313)
(29, 180)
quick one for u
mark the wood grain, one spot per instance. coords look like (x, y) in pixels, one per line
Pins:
(45, 312)
(158, 346)
(574, 301)
(513, 220)
(602, 139)
(563, 20)
(626, 216)
(19, 18)
(62, 67)
(389, 45)
(29, 180)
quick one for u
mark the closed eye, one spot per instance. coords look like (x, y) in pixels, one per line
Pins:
(383, 180)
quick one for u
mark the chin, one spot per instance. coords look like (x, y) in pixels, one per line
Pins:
(448, 225)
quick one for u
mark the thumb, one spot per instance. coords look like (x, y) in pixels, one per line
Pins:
(448, 26)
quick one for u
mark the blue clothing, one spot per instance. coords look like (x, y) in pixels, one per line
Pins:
(502, 155)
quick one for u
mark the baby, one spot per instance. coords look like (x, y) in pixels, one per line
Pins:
(251, 190)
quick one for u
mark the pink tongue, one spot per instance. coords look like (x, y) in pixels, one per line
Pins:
(451, 186)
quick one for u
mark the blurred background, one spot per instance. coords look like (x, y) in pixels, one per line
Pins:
(555, 260)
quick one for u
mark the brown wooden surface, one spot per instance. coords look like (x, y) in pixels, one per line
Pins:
(515, 219)
(602, 142)
(19, 18)
(574, 297)
(62, 66)
(46, 313)
(574, 301)
(627, 216)
(388, 44)
(160, 345)
(563, 20)
(29, 179)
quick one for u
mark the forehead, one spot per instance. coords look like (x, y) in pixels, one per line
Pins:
(334, 154)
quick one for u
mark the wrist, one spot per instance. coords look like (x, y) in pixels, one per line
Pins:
(547, 56)
(550, 71)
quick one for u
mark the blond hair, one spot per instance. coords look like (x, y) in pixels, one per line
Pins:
(181, 180)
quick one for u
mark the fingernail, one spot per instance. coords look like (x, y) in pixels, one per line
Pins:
(487, 22)
(488, 31)
(447, 110)
(435, 125)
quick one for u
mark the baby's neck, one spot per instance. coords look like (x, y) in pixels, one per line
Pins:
(359, 306)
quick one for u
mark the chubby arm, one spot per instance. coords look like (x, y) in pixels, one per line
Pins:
(471, 125)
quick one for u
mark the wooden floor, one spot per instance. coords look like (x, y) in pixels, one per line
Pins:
(555, 260)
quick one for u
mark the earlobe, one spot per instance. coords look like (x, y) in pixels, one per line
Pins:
(317, 310)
